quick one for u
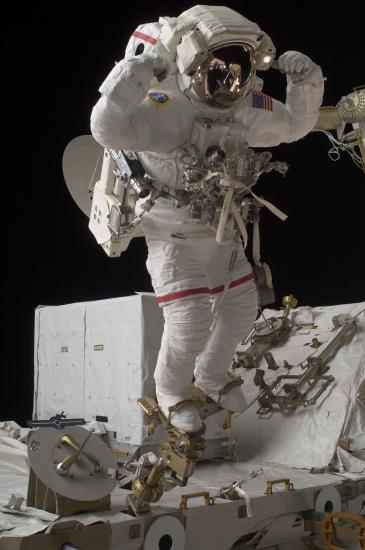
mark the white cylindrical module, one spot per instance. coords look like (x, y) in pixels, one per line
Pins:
(328, 500)
(165, 532)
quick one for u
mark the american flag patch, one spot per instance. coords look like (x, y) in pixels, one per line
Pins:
(261, 101)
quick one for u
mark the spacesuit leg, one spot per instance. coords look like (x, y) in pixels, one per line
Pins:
(185, 334)
(180, 281)
(235, 316)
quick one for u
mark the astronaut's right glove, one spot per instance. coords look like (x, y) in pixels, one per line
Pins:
(296, 65)
(128, 82)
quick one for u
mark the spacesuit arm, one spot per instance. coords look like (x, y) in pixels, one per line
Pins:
(115, 122)
(270, 122)
(303, 99)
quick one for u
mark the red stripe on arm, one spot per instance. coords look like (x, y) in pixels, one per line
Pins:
(145, 37)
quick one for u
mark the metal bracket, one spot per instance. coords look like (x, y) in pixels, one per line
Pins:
(208, 500)
(292, 391)
(266, 334)
(288, 485)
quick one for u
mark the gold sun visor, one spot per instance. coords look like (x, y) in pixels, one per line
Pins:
(226, 75)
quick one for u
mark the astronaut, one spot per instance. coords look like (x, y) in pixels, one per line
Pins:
(200, 66)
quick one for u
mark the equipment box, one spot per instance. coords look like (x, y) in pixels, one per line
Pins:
(96, 359)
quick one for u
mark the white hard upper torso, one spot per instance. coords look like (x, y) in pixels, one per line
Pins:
(165, 121)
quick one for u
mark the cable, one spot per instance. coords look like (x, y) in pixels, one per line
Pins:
(337, 146)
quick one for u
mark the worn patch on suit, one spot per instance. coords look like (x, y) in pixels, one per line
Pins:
(261, 101)
(158, 99)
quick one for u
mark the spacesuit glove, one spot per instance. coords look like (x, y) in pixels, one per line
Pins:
(128, 82)
(296, 65)
(159, 65)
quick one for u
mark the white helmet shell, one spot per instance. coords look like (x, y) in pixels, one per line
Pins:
(143, 39)
(210, 27)
(205, 37)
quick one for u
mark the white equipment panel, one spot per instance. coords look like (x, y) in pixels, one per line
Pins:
(96, 359)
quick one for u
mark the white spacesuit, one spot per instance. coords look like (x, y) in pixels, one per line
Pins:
(200, 66)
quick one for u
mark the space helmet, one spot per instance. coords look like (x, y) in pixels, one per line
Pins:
(215, 51)
(218, 53)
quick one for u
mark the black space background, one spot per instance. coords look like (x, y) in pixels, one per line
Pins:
(57, 56)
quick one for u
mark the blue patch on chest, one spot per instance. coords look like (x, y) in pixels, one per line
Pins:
(158, 98)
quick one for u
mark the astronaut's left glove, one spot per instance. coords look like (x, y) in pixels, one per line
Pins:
(296, 65)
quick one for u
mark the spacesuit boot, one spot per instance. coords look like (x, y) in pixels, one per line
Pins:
(229, 396)
(186, 418)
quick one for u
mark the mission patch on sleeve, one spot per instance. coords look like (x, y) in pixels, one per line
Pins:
(158, 98)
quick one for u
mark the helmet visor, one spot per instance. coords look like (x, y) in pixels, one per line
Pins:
(226, 75)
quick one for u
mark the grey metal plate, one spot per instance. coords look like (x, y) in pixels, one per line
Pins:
(81, 165)
(45, 452)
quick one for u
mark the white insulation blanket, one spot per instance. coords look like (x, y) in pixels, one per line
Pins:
(308, 437)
